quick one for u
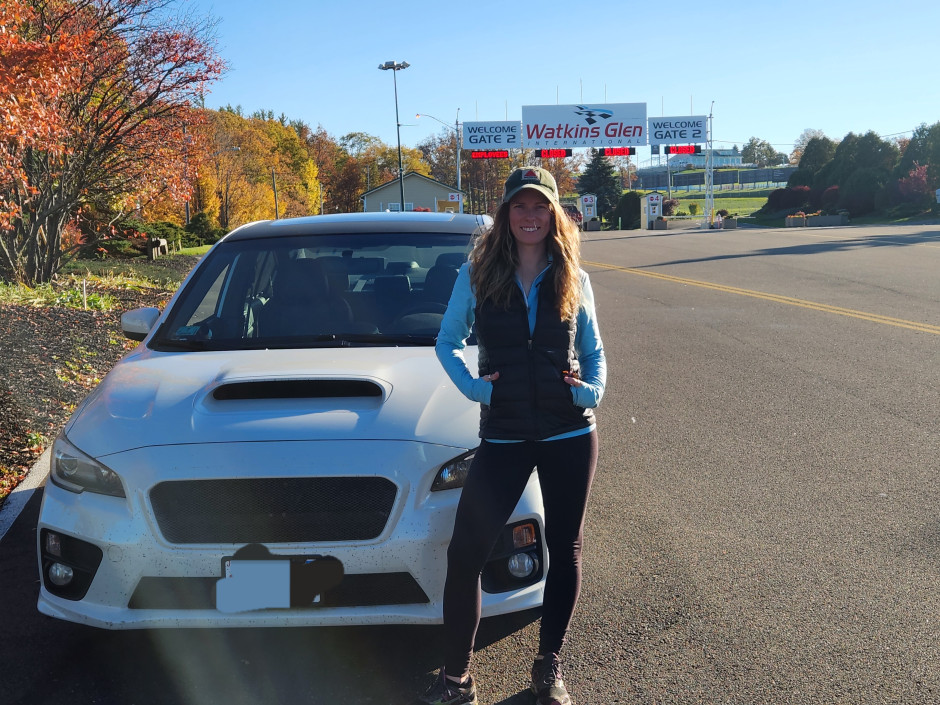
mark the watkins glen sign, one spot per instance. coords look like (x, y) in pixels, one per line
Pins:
(594, 125)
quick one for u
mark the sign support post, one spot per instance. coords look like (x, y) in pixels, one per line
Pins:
(709, 173)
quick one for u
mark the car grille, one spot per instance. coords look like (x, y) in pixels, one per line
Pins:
(273, 510)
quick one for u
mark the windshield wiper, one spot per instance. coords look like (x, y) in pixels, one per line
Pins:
(324, 340)
(287, 342)
(166, 345)
(388, 338)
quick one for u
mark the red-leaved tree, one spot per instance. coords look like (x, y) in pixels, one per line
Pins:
(96, 96)
(914, 187)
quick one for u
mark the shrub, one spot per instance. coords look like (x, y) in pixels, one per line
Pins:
(693, 208)
(201, 231)
(800, 177)
(121, 248)
(670, 206)
(787, 198)
(171, 232)
(830, 198)
(860, 190)
(723, 213)
(627, 212)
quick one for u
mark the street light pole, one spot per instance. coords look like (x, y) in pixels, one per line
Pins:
(395, 68)
(456, 129)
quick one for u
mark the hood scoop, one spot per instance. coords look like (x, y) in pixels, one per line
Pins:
(298, 389)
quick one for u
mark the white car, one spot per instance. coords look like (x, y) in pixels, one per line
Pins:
(283, 448)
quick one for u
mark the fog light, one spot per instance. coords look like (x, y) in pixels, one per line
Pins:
(53, 545)
(60, 574)
(521, 565)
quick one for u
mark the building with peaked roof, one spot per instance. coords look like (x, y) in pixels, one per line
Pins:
(421, 192)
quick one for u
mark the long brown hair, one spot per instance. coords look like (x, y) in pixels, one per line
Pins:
(494, 260)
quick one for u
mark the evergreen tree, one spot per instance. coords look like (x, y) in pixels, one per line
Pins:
(600, 178)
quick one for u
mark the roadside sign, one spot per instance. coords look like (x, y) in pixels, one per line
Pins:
(589, 205)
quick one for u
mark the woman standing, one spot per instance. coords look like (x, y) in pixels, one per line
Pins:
(541, 372)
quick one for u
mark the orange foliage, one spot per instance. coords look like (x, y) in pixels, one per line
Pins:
(95, 101)
(36, 70)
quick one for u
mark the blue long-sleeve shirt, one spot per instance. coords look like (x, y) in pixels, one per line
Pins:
(458, 321)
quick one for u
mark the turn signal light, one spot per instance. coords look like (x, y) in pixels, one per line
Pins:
(523, 535)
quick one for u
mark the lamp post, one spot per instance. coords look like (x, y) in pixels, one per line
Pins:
(395, 68)
(456, 129)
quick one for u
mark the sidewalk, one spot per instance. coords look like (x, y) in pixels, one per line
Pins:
(18, 498)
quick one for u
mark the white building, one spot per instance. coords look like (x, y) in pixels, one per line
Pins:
(421, 192)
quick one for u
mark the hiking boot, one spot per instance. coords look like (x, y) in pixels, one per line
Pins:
(547, 685)
(446, 692)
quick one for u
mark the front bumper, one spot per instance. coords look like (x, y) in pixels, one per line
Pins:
(142, 580)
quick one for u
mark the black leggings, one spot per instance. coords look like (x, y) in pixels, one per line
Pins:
(497, 477)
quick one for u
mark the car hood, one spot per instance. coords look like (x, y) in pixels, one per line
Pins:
(156, 399)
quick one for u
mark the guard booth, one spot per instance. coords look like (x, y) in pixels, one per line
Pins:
(589, 210)
(650, 210)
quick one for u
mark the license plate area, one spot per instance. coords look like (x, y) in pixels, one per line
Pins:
(255, 579)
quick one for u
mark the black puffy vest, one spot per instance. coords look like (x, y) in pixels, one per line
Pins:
(530, 400)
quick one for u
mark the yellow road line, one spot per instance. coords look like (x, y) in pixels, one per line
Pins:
(789, 300)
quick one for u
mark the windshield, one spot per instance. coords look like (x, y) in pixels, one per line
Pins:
(315, 291)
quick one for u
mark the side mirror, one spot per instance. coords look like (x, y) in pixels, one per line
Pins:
(138, 323)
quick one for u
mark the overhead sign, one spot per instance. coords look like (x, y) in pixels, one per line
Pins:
(684, 149)
(554, 153)
(618, 151)
(490, 154)
(596, 125)
(484, 135)
(674, 130)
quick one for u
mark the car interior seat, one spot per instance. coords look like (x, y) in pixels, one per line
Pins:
(302, 302)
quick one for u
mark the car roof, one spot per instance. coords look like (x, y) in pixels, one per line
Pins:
(352, 223)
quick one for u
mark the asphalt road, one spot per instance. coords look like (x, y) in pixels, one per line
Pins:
(764, 527)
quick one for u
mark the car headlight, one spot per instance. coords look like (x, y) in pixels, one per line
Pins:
(74, 471)
(453, 474)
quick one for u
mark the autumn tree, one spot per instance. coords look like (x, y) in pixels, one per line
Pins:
(128, 76)
(625, 169)
(440, 152)
(761, 153)
(355, 163)
(327, 154)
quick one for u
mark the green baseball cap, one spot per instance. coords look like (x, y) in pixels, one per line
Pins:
(530, 177)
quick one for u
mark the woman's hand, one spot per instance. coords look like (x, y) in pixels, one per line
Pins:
(491, 378)
(571, 378)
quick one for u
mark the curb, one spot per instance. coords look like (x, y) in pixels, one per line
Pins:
(17, 499)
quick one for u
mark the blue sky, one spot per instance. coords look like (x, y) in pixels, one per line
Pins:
(772, 69)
